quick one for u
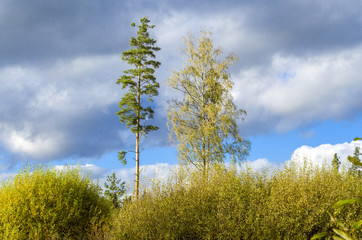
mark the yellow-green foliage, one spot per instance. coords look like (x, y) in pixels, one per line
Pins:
(43, 203)
(291, 203)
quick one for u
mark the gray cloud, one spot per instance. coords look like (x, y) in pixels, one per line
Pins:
(60, 59)
(41, 31)
(309, 25)
(38, 30)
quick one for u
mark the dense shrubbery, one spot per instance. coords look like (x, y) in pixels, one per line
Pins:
(291, 203)
(43, 203)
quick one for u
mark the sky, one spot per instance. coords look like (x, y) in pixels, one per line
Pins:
(298, 77)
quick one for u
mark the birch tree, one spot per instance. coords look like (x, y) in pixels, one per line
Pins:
(203, 121)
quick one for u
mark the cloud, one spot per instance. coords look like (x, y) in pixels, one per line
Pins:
(91, 169)
(41, 32)
(324, 153)
(291, 73)
(260, 164)
(65, 109)
(299, 63)
(148, 173)
(292, 92)
(257, 30)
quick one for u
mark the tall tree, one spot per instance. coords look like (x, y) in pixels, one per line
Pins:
(142, 86)
(204, 120)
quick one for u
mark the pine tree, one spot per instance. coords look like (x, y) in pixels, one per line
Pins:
(142, 86)
(336, 162)
(114, 189)
(204, 121)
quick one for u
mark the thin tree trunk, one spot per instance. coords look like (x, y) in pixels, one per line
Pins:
(138, 140)
(137, 163)
(203, 155)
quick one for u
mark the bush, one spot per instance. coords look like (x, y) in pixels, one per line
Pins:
(44, 203)
(290, 203)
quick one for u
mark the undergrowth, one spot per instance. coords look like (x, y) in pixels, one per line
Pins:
(290, 203)
(226, 203)
(44, 203)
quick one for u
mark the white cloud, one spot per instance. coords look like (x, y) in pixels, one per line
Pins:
(260, 164)
(147, 172)
(281, 90)
(94, 170)
(324, 153)
(292, 92)
(91, 169)
(42, 104)
(78, 84)
(161, 171)
(127, 174)
(43, 145)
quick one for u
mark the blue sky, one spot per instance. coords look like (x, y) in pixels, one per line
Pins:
(298, 77)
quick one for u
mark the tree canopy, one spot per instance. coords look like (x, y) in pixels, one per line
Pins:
(203, 121)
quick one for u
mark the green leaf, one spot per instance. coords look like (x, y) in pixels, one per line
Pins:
(343, 234)
(354, 160)
(342, 203)
(357, 225)
(336, 238)
(319, 235)
(357, 139)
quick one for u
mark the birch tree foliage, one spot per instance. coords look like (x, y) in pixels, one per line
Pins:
(203, 122)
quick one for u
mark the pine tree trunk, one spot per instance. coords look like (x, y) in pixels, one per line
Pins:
(137, 164)
(138, 139)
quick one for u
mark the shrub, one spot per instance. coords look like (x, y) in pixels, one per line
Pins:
(342, 230)
(44, 203)
(290, 203)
